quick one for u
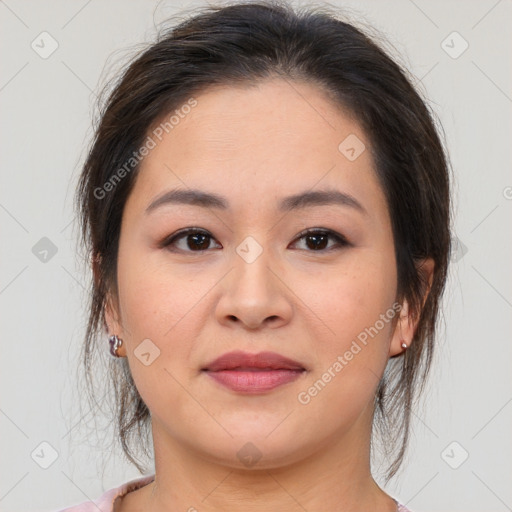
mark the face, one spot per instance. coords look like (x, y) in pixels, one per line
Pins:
(247, 277)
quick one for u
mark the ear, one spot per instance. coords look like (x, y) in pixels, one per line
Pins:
(112, 320)
(406, 325)
(112, 323)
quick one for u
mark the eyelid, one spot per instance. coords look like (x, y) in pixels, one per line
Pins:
(181, 233)
(327, 231)
(341, 240)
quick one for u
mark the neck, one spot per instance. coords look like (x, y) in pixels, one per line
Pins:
(334, 477)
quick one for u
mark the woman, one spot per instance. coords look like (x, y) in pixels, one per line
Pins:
(266, 206)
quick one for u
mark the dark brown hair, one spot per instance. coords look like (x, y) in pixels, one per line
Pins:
(243, 43)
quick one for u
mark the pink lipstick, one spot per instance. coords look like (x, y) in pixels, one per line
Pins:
(253, 373)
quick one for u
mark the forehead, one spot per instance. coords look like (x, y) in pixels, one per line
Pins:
(272, 138)
(277, 118)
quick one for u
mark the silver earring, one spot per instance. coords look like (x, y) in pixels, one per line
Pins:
(115, 343)
(404, 345)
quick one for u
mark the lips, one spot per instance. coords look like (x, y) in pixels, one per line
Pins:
(244, 361)
(248, 374)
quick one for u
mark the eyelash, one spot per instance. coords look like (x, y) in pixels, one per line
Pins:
(341, 241)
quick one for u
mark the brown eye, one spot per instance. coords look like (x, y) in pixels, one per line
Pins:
(198, 240)
(189, 240)
(318, 240)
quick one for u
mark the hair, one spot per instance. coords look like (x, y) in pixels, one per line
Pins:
(241, 44)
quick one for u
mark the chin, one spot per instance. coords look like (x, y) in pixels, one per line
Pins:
(254, 449)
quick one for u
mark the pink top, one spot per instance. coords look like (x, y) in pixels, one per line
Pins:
(106, 502)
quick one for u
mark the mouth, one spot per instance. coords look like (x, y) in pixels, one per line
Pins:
(253, 373)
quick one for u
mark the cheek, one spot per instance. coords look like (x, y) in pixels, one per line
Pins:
(157, 305)
(348, 304)
(353, 295)
(153, 300)
(352, 353)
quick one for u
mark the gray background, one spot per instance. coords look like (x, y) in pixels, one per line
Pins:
(47, 104)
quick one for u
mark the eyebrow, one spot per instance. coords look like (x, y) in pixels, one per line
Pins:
(302, 200)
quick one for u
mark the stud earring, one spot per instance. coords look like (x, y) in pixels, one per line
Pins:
(404, 345)
(115, 343)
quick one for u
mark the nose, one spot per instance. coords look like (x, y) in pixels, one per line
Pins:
(254, 295)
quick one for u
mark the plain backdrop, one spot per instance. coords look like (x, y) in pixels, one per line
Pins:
(55, 55)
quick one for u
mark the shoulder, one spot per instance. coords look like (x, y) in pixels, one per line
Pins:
(105, 503)
(400, 507)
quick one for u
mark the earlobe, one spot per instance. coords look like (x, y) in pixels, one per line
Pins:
(405, 327)
(111, 322)
(114, 329)
(403, 333)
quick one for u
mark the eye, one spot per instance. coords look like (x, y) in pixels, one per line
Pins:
(194, 240)
(318, 239)
(199, 240)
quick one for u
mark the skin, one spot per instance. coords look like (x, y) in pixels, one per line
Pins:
(255, 145)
